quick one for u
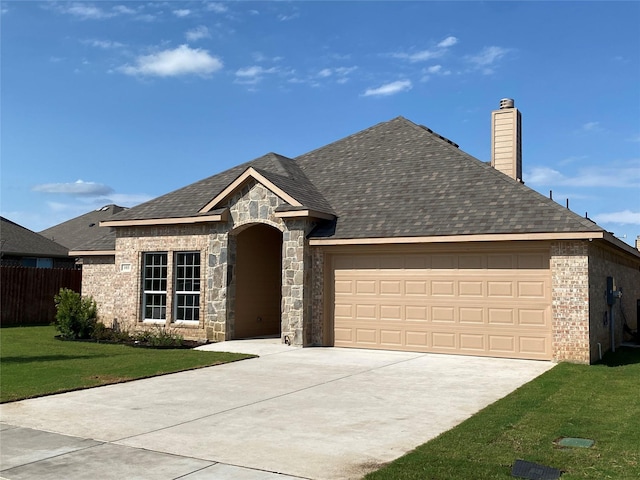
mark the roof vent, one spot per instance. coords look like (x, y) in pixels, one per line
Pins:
(506, 103)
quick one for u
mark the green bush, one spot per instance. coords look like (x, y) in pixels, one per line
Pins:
(159, 336)
(76, 317)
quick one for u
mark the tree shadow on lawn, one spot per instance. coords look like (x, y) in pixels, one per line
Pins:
(47, 358)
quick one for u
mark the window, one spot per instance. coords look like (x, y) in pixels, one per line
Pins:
(155, 286)
(187, 296)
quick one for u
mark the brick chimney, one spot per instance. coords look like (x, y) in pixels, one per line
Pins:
(506, 139)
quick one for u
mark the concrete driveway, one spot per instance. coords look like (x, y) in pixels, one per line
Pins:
(316, 413)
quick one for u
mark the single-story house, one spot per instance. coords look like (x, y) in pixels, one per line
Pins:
(21, 247)
(391, 238)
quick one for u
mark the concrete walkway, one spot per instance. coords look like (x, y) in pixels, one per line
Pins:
(315, 413)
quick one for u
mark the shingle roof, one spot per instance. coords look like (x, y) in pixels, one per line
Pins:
(395, 179)
(398, 179)
(20, 241)
(84, 229)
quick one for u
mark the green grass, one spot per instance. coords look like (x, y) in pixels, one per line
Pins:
(600, 402)
(34, 363)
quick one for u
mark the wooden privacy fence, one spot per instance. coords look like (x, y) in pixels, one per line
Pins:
(27, 293)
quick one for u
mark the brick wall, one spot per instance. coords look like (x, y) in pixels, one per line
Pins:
(570, 300)
(603, 262)
(98, 281)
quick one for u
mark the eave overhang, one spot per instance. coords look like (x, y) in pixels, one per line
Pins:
(91, 253)
(305, 213)
(221, 216)
(460, 238)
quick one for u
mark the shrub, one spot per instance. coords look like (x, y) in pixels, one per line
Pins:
(75, 316)
(159, 336)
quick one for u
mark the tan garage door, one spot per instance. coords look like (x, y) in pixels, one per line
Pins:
(492, 304)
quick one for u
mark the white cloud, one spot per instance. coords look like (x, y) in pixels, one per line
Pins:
(325, 72)
(624, 217)
(627, 175)
(182, 60)
(487, 57)
(285, 18)
(86, 12)
(104, 44)
(389, 89)
(124, 10)
(448, 42)
(183, 12)
(591, 127)
(79, 187)
(197, 33)
(428, 54)
(216, 7)
(252, 75)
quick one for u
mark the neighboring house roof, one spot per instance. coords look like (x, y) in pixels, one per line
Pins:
(84, 229)
(395, 179)
(17, 240)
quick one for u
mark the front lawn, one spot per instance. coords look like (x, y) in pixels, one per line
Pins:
(599, 402)
(34, 363)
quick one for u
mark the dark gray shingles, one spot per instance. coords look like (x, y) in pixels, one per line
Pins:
(397, 179)
(394, 179)
(83, 229)
(20, 241)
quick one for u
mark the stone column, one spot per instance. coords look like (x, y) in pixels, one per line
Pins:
(296, 284)
(216, 292)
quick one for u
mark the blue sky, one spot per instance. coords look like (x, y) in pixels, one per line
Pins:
(122, 101)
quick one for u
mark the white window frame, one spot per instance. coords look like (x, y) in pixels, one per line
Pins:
(193, 281)
(152, 291)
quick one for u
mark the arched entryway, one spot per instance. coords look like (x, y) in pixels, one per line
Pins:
(258, 277)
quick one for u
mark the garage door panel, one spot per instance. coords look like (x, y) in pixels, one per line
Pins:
(531, 289)
(366, 336)
(473, 315)
(501, 316)
(499, 288)
(391, 338)
(415, 287)
(391, 312)
(443, 314)
(416, 313)
(471, 288)
(472, 342)
(364, 287)
(443, 340)
(502, 343)
(390, 287)
(532, 317)
(366, 312)
(493, 304)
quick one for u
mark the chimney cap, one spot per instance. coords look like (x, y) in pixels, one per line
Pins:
(507, 103)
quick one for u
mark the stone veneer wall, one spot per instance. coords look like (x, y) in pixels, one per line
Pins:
(296, 283)
(97, 279)
(604, 262)
(318, 334)
(570, 300)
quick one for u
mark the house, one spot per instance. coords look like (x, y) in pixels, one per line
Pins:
(22, 247)
(84, 229)
(391, 238)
